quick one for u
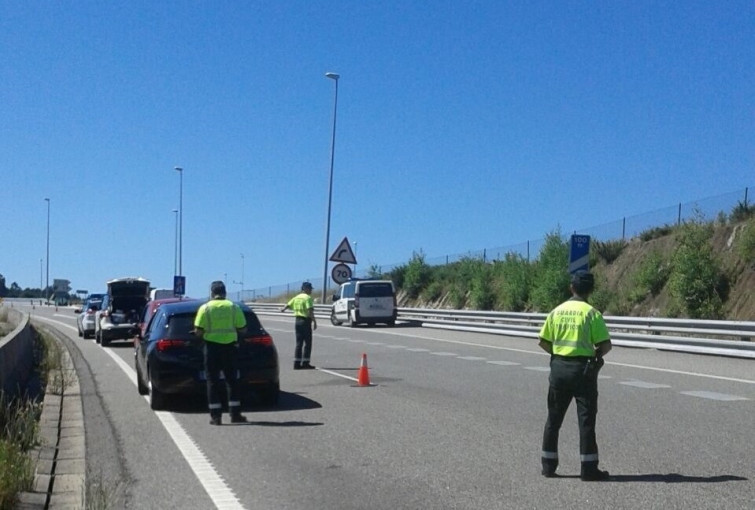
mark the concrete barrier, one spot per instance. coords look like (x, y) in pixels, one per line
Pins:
(16, 354)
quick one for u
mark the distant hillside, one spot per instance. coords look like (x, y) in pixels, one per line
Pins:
(700, 269)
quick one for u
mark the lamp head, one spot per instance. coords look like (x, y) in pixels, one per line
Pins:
(332, 76)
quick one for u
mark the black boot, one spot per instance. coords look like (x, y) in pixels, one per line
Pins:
(591, 473)
(216, 420)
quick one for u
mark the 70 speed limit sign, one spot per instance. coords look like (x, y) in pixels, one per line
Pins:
(341, 273)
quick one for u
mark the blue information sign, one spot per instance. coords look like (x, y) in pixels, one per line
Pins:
(579, 253)
(179, 285)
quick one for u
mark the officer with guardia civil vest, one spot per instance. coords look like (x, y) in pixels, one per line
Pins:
(576, 337)
(218, 322)
(304, 310)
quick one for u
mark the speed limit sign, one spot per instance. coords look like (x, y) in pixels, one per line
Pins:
(341, 273)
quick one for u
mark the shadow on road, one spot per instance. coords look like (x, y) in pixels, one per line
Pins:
(676, 478)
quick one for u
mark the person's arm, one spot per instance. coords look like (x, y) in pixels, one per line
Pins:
(546, 346)
(603, 348)
(312, 316)
(284, 308)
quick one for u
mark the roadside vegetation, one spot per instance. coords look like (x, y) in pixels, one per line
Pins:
(686, 270)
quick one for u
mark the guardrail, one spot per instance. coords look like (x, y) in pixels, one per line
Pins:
(726, 338)
(16, 354)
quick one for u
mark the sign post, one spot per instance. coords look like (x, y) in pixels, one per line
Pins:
(579, 253)
(179, 285)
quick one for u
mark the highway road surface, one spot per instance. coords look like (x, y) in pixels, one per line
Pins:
(453, 421)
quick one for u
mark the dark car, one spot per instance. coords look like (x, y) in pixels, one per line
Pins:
(149, 310)
(170, 359)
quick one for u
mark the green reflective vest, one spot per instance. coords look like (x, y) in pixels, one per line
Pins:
(574, 327)
(220, 319)
(301, 304)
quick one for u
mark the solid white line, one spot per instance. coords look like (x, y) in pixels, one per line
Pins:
(221, 495)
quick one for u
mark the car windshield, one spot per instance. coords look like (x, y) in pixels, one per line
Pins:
(376, 290)
(348, 291)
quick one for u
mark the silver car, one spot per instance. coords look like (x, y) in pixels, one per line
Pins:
(86, 314)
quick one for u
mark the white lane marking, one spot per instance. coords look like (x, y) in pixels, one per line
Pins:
(504, 363)
(337, 374)
(417, 349)
(538, 369)
(713, 395)
(472, 358)
(395, 347)
(644, 384)
(444, 354)
(542, 353)
(220, 494)
(374, 343)
(218, 491)
(605, 377)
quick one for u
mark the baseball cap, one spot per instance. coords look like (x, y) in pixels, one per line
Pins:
(583, 281)
(217, 288)
(306, 285)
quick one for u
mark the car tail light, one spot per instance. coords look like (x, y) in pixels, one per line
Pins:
(265, 340)
(166, 344)
(356, 300)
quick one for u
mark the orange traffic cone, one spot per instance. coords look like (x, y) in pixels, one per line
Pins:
(363, 378)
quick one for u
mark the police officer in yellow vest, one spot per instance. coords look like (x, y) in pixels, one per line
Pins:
(219, 321)
(577, 338)
(304, 311)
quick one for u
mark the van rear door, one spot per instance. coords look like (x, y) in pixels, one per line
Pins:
(376, 300)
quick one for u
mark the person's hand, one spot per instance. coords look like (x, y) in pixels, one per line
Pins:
(314, 326)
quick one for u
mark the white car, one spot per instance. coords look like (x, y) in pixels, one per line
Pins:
(364, 302)
(86, 314)
(118, 319)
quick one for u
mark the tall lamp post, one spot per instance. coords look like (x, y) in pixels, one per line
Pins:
(175, 244)
(47, 277)
(334, 77)
(180, 217)
(241, 293)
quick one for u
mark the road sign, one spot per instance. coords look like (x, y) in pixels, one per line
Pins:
(579, 253)
(341, 273)
(344, 253)
(179, 285)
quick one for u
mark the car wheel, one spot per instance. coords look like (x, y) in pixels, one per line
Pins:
(156, 397)
(333, 319)
(104, 340)
(81, 333)
(97, 336)
(270, 395)
(142, 388)
(352, 322)
(391, 323)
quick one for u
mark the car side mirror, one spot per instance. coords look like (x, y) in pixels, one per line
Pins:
(77, 310)
(334, 298)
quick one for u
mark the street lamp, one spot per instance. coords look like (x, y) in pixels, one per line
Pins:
(180, 218)
(241, 293)
(175, 245)
(47, 278)
(334, 77)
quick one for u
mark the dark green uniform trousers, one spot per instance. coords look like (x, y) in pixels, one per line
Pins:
(572, 378)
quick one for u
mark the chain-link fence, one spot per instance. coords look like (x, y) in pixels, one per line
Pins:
(626, 228)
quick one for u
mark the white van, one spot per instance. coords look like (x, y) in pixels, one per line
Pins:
(364, 302)
(160, 294)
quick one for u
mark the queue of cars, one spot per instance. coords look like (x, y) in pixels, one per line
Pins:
(168, 356)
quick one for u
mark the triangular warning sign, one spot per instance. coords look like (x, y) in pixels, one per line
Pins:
(343, 253)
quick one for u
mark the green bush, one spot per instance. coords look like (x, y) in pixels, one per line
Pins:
(656, 232)
(512, 277)
(745, 245)
(481, 295)
(609, 251)
(696, 281)
(433, 292)
(16, 473)
(416, 276)
(602, 296)
(742, 211)
(550, 285)
(652, 275)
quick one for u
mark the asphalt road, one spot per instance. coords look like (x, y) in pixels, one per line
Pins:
(454, 421)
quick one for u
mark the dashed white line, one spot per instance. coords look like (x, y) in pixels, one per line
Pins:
(644, 384)
(712, 395)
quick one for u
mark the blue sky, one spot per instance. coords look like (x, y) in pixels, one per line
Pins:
(460, 125)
